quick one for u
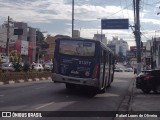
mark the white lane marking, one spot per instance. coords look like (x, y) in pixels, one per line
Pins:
(44, 105)
(107, 95)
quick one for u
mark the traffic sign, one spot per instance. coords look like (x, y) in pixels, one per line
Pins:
(114, 23)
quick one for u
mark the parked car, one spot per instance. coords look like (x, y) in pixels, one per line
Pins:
(118, 70)
(128, 70)
(125, 63)
(48, 66)
(8, 67)
(38, 66)
(149, 80)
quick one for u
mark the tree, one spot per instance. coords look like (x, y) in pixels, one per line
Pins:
(15, 58)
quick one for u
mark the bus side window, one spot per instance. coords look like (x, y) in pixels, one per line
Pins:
(102, 56)
(107, 58)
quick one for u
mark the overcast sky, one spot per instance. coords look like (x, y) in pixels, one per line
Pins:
(54, 16)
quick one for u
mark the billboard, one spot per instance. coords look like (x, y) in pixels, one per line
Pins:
(131, 54)
(24, 47)
(134, 48)
(114, 24)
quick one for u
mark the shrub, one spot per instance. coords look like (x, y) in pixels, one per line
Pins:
(26, 67)
(48, 69)
(17, 66)
(39, 70)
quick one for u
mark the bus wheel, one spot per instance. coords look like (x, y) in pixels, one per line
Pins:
(109, 84)
(146, 90)
(70, 86)
(112, 78)
(102, 90)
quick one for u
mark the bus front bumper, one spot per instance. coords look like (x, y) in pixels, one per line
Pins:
(80, 81)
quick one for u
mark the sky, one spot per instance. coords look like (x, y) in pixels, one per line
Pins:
(55, 16)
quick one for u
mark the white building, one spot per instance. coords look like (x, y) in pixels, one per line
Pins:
(121, 45)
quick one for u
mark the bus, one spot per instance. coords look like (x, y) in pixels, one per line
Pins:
(83, 62)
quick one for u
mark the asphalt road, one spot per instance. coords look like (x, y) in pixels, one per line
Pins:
(48, 96)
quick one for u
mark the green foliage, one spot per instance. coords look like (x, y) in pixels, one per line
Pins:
(26, 67)
(48, 69)
(15, 56)
(17, 66)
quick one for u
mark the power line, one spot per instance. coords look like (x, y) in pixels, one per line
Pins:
(154, 3)
(127, 10)
(120, 10)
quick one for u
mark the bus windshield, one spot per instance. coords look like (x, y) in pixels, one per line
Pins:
(77, 48)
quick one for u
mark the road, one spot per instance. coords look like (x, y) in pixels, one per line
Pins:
(48, 96)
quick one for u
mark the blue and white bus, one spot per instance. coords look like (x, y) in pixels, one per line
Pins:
(83, 62)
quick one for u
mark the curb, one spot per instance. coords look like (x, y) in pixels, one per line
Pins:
(1, 83)
(22, 81)
(12, 82)
(125, 105)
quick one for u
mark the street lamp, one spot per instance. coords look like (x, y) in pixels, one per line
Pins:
(101, 27)
(7, 43)
(72, 17)
(10, 20)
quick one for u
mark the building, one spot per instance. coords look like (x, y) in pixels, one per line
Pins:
(121, 46)
(3, 40)
(76, 34)
(24, 43)
(100, 37)
(51, 42)
(155, 52)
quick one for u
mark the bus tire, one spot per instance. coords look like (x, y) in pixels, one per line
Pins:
(70, 86)
(102, 90)
(112, 77)
(109, 84)
(146, 90)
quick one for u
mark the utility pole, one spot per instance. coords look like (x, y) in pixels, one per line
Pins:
(7, 43)
(72, 17)
(137, 34)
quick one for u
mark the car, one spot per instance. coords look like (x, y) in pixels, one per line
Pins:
(124, 63)
(48, 66)
(38, 66)
(118, 70)
(7, 67)
(149, 80)
(128, 70)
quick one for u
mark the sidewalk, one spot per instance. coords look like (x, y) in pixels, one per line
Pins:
(139, 106)
(143, 106)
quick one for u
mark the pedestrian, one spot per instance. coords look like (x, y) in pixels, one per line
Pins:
(33, 64)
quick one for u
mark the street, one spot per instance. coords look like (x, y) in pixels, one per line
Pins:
(48, 96)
